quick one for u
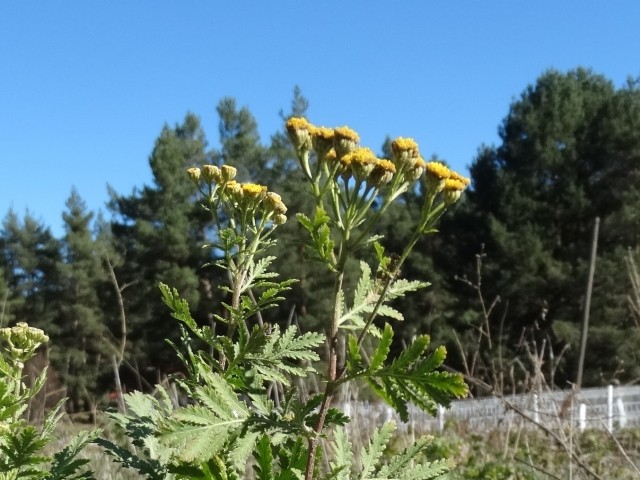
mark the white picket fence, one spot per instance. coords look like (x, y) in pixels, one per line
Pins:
(592, 408)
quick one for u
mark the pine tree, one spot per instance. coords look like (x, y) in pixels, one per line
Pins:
(32, 270)
(569, 151)
(84, 357)
(156, 230)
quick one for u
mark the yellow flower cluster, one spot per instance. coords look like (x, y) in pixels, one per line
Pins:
(341, 145)
(221, 184)
(450, 183)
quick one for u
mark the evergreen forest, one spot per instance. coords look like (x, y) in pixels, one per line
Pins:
(508, 270)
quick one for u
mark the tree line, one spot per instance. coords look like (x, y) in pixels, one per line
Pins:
(510, 262)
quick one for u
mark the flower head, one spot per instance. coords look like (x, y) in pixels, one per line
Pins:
(405, 150)
(23, 340)
(322, 139)
(437, 173)
(456, 176)
(211, 173)
(227, 172)
(345, 140)
(252, 190)
(194, 174)
(361, 161)
(382, 172)
(453, 189)
(298, 129)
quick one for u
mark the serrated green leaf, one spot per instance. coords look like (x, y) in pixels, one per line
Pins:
(382, 350)
(372, 453)
(264, 459)
(342, 463)
(354, 360)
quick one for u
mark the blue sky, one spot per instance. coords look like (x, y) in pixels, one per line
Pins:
(86, 86)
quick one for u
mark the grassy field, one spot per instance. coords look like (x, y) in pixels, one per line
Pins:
(526, 454)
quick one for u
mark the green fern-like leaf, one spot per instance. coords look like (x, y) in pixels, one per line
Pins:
(342, 463)
(405, 465)
(372, 453)
(66, 464)
(283, 352)
(150, 468)
(367, 295)
(410, 378)
(264, 459)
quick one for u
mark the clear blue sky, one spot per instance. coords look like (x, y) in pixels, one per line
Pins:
(86, 86)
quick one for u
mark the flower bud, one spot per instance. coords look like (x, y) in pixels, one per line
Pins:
(211, 173)
(405, 151)
(362, 161)
(322, 139)
(194, 174)
(279, 219)
(382, 173)
(452, 190)
(228, 173)
(415, 171)
(273, 202)
(437, 173)
(298, 130)
(345, 141)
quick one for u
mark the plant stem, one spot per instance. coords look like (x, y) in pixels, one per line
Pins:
(332, 374)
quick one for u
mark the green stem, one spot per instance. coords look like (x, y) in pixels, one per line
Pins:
(332, 374)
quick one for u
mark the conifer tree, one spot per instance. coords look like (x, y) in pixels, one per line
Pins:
(32, 270)
(569, 151)
(155, 229)
(84, 357)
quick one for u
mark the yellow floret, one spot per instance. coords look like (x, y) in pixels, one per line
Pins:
(347, 134)
(456, 176)
(438, 170)
(253, 190)
(402, 144)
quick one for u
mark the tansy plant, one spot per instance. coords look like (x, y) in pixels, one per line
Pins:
(22, 445)
(231, 421)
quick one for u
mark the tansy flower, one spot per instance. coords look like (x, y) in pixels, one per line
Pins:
(405, 150)
(23, 340)
(345, 140)
(298, 129)
(453, 188)
(211, 173)
(322, 140)
(361, 161)
(252, 190)
(382, 172)
(194, 174)
(456, 176)
(415, 171)
(437, 173)
(227, 172)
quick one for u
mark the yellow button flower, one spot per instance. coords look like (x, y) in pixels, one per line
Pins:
(345, 140)
(298, 129)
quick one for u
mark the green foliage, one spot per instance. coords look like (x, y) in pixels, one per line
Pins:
(410, 378)
(231, 415)
(568, 152)
(22, 445)
(403, 465)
